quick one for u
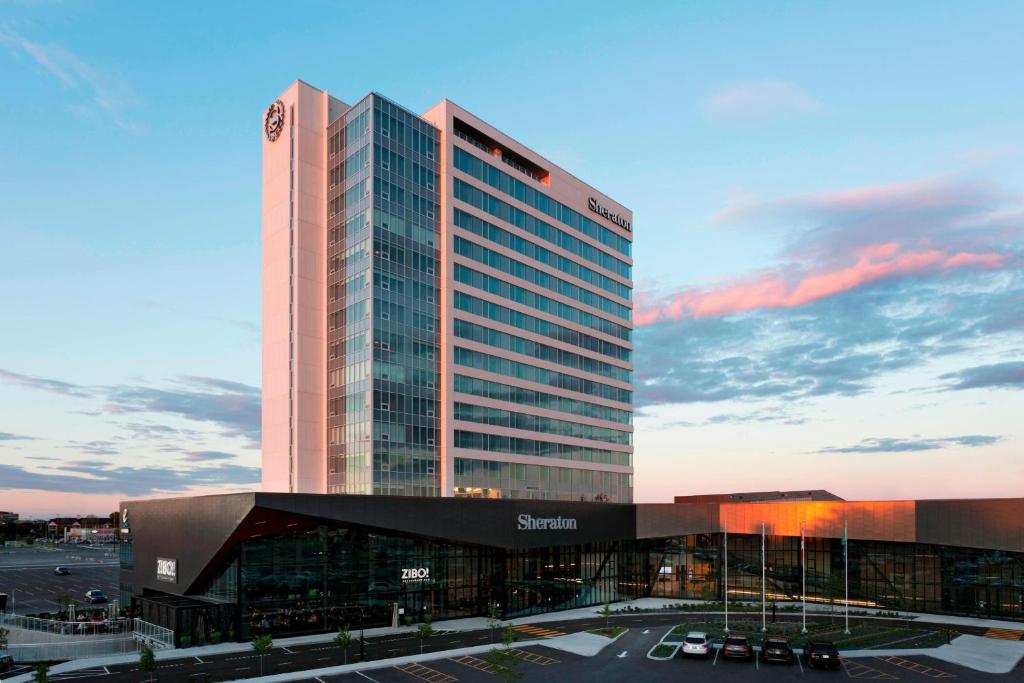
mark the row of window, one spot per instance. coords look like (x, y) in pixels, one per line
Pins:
(559, 482)
(356, 126)
(399, 197)
(531, 373)
(507, 290)
(419, 228)
(348, 288)
(404, 128)
(484, 335)
(481, 254)
(503, 182)
(353, 225)
(354, 162)
(352, 344)
(536, 252)
(476, 197)
(497, 443)
(349, 259)
(398, 165)
(528, 323)
(498, 417)
(389, 251)
(539, 399)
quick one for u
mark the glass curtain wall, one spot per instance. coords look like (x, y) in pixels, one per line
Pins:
(323, 578)
(405, 291)
(883, 575)
(349, 303)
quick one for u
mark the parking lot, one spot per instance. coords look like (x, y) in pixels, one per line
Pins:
(26, 575)
(626, 660)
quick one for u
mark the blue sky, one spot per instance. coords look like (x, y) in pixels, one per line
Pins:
(828, 221)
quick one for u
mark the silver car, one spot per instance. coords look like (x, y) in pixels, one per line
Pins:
(697, 643)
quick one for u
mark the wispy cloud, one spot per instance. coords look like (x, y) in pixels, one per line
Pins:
(1008, 375)
(205, 456)
(846, 239)
(43, 384)
(789, 290)
(98, 447)
(233, 407)
(761, 100)
(836, 346)
(7, 436)
(914, 444)
(101, 477)
(107, 92)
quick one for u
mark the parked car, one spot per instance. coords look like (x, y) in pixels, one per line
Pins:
(6, 662)
(737, 647)
(697, 643)
(95, 596)
(821, 653)
(777, 649)
(62, 571)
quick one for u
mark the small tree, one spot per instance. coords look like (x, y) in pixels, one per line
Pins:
(493, 620)
(425, 630)
(64, 601)
(343, 639)
(833, 589)
(147, 660)
(502, 661)
(41, 674)
(262, 645)
(606, 612)
(3, 638)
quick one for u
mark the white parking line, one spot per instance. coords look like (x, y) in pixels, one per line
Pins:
(800, 663)
(367, 677)
(757, 660)
(716, 658)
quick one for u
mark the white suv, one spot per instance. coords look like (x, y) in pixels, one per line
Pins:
(697, 643)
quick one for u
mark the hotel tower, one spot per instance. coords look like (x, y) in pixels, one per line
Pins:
(445, 311)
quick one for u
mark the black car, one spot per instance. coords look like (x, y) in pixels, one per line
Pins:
(62, 571)
(777, 649)
(6, 662)
(821, 653)
(95, 597)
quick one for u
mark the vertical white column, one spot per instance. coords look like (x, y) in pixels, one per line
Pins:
(803, 578)
(725, 582)
(764, 615)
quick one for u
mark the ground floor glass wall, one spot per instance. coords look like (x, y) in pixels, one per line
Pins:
(882, 575)
(323, 578)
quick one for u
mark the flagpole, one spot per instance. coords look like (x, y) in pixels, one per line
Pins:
(803, 578)
(764, 619)
(725, 566)
(846, 573)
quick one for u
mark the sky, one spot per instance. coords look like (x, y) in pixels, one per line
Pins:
(828, 211)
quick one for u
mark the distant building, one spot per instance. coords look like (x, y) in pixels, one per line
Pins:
(7, 517)
(759, 497)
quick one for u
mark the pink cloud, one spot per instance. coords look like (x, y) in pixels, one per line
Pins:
(773, 290)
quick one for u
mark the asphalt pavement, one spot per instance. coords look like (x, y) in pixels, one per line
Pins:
(26, 575)
(623, 660)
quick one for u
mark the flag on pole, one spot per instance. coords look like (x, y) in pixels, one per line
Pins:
(844, 541)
